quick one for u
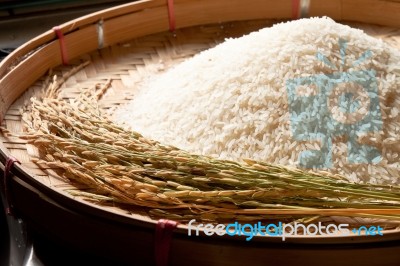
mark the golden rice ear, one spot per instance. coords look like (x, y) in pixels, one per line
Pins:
(176, 184)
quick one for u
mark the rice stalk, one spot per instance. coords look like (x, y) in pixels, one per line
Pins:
(123, 167)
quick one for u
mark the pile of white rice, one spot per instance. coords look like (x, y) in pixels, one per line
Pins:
(231, 101)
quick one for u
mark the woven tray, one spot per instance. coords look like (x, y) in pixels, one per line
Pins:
(128, 60)
(127, 65)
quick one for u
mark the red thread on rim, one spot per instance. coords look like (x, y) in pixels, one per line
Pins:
(63, 49)
(296, 9)
(171, 14)
(7, 174)
(164, 231)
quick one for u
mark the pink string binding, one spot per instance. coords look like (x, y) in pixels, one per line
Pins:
(63, 48)
(7, 174)
(171, 15)
(164, 231)
(295, 9)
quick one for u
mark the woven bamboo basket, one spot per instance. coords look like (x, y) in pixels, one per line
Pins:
(127, 44)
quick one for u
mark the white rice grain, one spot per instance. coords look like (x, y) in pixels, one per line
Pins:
(231, 101)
